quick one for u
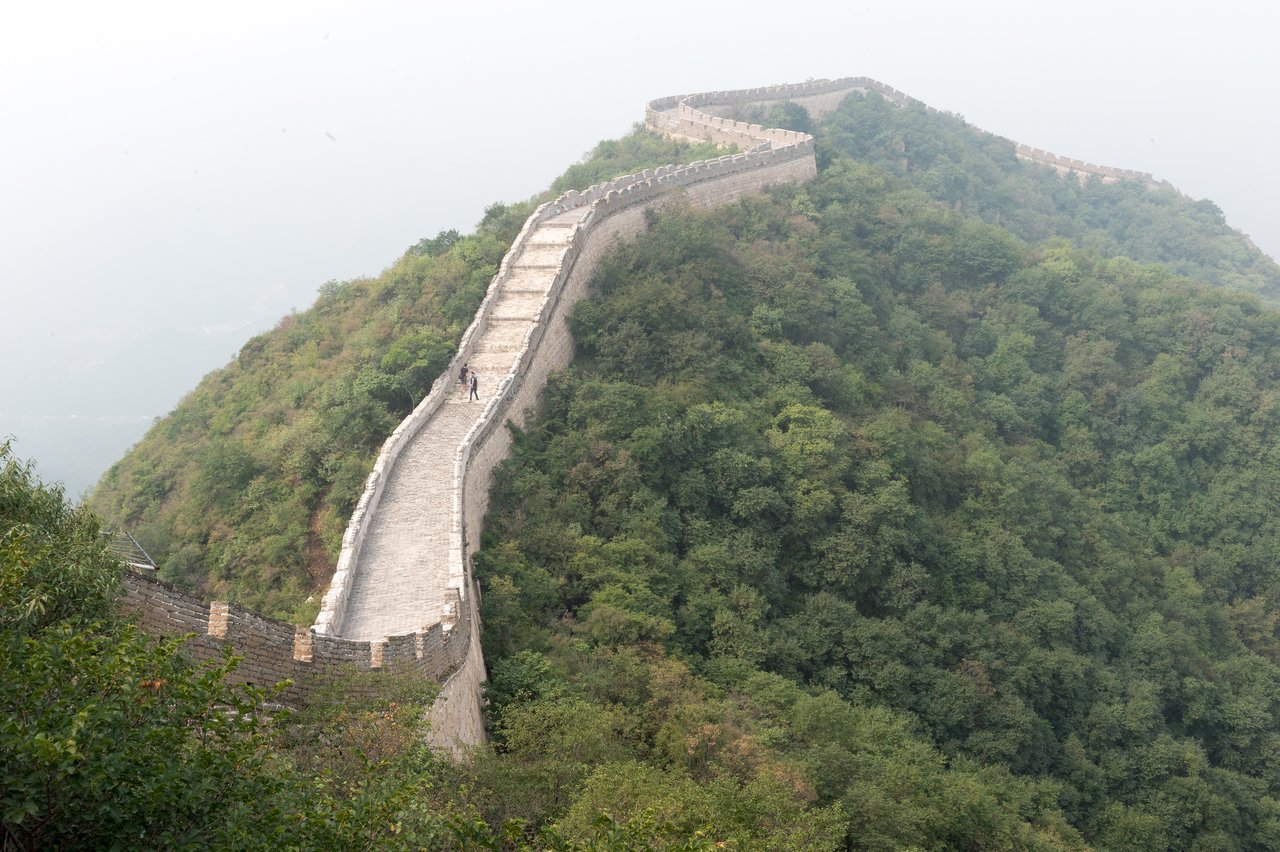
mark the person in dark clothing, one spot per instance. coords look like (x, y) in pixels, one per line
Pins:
(462, 376)
(475, 388)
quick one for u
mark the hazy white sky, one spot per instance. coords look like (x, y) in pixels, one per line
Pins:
(175, 176)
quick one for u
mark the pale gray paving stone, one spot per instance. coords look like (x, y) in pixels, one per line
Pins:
(403, 567)
(526, 280)
(543, 254)
(564, 220)
(403, 571)
(518, 306)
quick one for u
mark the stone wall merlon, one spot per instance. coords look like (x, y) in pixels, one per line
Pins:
(1084, 169)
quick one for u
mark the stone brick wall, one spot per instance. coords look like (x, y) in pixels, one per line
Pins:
(1083, 171)
(608, 212)
(273, 651)
(448, 651)
(615, 211)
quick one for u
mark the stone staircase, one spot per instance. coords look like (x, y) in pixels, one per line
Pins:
(402, 574)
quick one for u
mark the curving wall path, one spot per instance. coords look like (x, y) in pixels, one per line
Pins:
(404, 568)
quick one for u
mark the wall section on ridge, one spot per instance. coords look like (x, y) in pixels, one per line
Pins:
(617, 215)
(823, 96)
(447, 651)
(589, 223)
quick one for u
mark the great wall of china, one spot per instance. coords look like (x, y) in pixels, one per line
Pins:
(402, 597)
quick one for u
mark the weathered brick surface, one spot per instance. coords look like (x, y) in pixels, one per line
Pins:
(273, 651)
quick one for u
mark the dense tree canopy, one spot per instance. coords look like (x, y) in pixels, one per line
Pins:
(848, 445)
(978, 174)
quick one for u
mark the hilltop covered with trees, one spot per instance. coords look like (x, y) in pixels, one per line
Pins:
(1002, 516)
(928, 504)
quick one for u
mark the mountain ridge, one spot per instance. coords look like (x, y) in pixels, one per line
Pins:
(907, 469)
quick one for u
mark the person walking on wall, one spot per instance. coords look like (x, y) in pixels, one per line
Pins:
(462, 376)
(475, 387)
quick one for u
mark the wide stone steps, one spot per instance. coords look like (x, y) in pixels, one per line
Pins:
(493, 362)
(542, 255)
(498, 345)
(503, 335)
(518, 305)
(525, 279)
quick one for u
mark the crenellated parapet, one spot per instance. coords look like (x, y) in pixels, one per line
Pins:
(273, 651)
(1067, 166)
(702, 118)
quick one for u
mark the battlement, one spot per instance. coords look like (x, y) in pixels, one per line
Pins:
(695, 118)
(275, 651)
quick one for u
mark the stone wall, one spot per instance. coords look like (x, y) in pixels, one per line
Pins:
(447, 651)
(609, 212)
(615, 215)
(614, 212)
(822, 96)
(1066, 166)
(275, 651)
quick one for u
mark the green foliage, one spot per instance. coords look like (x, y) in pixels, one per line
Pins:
(964, 537)
(53, 562)
(252, 508)
(110, 741)
(978, 174)
(787, 115)
(522, 678)
(437, 245)
(898, 510)
(244, 490)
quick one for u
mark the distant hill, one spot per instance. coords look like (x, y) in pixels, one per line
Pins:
(949, 535)
(979, 174)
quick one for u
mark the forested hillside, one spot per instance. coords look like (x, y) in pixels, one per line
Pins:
(110, 739)
(898, 509)
(244, 490)
(978, 174)
(847, 483)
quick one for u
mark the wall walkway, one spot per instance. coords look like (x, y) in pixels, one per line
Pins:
(412, 535)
